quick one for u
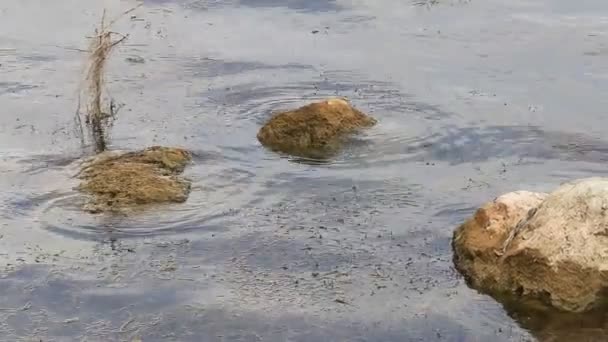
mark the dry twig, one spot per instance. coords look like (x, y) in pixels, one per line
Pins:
(97, 117)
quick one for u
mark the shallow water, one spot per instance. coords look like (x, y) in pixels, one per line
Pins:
(473, 98)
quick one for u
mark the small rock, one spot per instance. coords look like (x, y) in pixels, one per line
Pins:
(123, 181)
(316, 130)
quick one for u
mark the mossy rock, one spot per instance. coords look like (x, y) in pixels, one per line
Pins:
(317, 130)
(118, 182)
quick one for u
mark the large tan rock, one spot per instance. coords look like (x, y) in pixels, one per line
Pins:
(315, 130)
(553, 247)
(123, 181)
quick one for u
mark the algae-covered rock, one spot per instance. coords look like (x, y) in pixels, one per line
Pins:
(551, 247)
(118, 181)
(315, 130)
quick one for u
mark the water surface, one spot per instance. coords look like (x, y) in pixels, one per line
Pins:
(473, 98)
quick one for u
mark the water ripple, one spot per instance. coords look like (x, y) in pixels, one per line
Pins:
(403, 120)
(217, 196)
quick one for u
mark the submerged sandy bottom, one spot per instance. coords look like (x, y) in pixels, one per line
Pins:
(473, 99)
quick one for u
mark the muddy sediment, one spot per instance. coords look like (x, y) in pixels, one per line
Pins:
(125, 181)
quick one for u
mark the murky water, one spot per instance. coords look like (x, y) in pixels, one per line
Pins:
(473, 98)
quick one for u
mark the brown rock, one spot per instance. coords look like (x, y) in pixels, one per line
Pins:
(124, 181)
(478, 243)
(551, 247)
(315, 130)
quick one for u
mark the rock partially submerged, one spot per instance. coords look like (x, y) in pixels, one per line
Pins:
(119, 181)
(551, 247)
(315, 130)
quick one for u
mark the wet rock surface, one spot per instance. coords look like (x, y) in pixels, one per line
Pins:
(316, 130)
(553, 247)
(126, 181)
